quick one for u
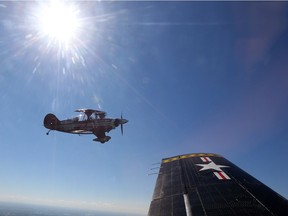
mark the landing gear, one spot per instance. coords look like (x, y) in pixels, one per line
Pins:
(48, 132)
(102, 140)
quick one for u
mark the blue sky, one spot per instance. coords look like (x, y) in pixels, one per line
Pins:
(189, 77)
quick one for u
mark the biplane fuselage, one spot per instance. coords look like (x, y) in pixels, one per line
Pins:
(97, 125)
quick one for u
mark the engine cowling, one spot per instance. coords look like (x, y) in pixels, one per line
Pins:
(51, 121)
(117, 122)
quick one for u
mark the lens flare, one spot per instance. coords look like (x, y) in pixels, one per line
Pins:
(55, 30)
(59, 22)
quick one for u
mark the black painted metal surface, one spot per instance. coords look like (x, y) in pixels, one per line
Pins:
(214, 186)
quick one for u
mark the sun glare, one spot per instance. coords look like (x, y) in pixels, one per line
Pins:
(59, 22)
(56, 29)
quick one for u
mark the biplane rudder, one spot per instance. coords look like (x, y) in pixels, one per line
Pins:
(51, 121)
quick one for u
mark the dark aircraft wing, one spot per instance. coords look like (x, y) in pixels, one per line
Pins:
(209, 184)
(100, 134)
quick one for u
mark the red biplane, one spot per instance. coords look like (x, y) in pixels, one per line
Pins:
(90, 122)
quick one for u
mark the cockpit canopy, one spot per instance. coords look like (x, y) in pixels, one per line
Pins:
(88, 114)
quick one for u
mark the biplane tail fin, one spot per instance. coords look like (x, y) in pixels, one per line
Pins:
(51, 121)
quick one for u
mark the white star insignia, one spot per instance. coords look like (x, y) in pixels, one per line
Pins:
(211, 165)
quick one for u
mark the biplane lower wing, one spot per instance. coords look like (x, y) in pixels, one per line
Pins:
(101, 136)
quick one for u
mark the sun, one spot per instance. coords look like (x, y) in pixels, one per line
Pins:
(59, 21)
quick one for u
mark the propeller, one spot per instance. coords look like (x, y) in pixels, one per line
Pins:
(121, 125)
(120, 121)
